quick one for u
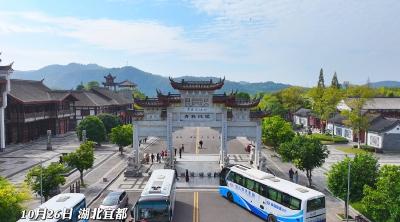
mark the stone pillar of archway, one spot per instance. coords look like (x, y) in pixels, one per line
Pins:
(133, 168)
(170, 161)
(224, 159)
(258, 145)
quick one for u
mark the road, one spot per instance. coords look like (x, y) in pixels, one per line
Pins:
(198, 200)
(201, 205)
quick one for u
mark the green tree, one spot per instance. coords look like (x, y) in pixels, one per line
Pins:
(275, 131)
(383, 203)
(355, 117)
(82, 158)
(11, 199)
(138, 94)
(110, 121)
(335, 82)
(95, 130)
(91, 85)
(243, 96)
(51, 177)
(80, 86)
(122, 136)
(305, 153)
(292, 99)
(272, 105)
(364, 171)
(324, 102)
(321, 81)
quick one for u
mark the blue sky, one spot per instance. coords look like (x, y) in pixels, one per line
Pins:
(253, 40)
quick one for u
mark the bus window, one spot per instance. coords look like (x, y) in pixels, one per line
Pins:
(274, 195)
(263, 190)
(249, 184)
(239, 179)
(295, 204)
(222, 176)
(315, 204)
(231, 176)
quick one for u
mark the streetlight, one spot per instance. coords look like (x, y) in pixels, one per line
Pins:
(41, 181)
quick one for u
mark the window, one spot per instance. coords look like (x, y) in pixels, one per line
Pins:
(274, 195)
(249, 184)
(263, 190)
(239, 179)
(294, 204)
(315, 204)
(231, 176)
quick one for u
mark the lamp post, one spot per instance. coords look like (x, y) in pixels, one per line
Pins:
(41, 181)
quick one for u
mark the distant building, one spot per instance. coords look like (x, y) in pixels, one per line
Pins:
(384, 134)
(111, 85)
(306, 118)
(101, 100)
(387, 107)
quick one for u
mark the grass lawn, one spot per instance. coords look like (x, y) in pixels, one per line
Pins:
(351, 150)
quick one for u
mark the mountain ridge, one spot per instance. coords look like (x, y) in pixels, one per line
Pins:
(70, 75)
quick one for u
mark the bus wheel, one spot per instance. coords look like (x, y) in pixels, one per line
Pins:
(271, 218)
(229, 196)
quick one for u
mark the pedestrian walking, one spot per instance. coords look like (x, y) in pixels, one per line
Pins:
(176, 174)
(201, 144)
(296, 177)
(180, 153)
(291, 174)
(187, 175)
(175, 151)
(158, 158)
(152, 158)
(147, 158)
(162, 154)
(183, 148)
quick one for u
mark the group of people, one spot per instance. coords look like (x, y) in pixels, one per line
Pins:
(294, 176)
(158, 157)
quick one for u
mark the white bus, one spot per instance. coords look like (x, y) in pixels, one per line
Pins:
(271, 198)
(157, 201)
(57, 205)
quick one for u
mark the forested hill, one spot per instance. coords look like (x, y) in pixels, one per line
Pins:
(69, 76)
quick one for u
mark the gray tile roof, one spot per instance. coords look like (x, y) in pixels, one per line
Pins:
(304, 112)
(383, 103)
(30, 91)
(100, 97)
(383, 124)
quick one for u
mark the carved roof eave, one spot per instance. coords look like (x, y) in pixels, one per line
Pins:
(196, 85)
(258, 114)
(242, 104)
(170, 97)
(7, 67)
(152, 102)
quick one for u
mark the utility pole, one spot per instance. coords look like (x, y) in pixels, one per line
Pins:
(41, 181)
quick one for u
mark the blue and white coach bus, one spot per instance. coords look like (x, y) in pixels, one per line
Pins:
(65, 205)
(271, 198)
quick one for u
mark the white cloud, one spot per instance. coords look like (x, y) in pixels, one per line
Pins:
(134, 37)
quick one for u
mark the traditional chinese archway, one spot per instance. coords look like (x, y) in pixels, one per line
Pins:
(196, 105)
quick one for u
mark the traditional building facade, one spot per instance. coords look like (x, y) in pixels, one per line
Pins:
(33, 109)
(306, 118)
(196, 105)
(5, 72)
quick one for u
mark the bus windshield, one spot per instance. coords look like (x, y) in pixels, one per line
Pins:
(316, 204)
(152, 211)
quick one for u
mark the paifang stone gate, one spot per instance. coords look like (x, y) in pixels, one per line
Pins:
(196, 105)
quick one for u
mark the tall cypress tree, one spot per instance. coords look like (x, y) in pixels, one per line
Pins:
(335, 82)
(321, 82)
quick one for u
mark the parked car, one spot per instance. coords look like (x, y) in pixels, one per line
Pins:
(114, 200)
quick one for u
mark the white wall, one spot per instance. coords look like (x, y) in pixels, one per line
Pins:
(395, 130)
(374, 140)
(301, 121)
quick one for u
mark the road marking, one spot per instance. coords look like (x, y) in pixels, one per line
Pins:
(197, 140)
(196, 207)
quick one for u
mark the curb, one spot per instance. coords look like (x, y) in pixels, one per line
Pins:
(104, 188)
